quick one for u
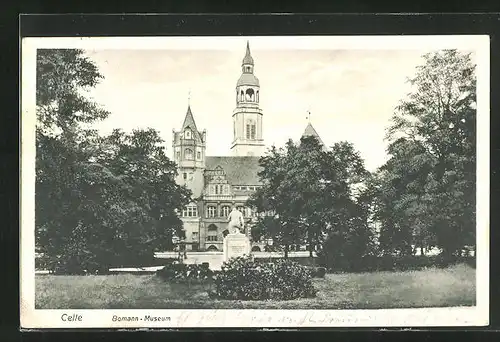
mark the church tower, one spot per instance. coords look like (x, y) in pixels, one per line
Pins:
(247, 116)
(189, 146)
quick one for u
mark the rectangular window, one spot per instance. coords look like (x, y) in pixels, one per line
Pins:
(195, 236)
(252, 132)
(212, 238)
(178, 155)
(185, 175)
(211, 211)
(190, 211)
(198, 155)
(225, 211)
(248, 131)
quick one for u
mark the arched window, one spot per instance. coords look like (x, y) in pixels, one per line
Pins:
(211, 211)
(187, 134)
(257, 96)
(251, 130)
(225, 211)
(250, 95)
(212, 233)
(212, 248)
(255, 249)
(242, 96)
(188, 154)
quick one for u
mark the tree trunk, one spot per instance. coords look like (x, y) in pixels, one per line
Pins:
(310, 247)
(286, 251)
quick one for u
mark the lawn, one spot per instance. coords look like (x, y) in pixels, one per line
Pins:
(454, 286)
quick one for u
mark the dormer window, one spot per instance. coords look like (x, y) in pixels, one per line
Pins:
(187, 134)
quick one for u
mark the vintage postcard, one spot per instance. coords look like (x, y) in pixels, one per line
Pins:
(307, 181)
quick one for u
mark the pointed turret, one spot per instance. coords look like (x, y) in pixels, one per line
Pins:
(311, 132)
(189, 146)
(189, 120)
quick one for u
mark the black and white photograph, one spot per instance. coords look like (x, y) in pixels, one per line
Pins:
(248, 181)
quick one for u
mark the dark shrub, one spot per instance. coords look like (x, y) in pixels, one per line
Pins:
(320, 272)
(182, 272)
(398, 263)
(242, 278)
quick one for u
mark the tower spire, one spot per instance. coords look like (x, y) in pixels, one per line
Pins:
(189, 98)
(248, 59)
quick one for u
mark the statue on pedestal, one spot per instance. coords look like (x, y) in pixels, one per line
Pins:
(236, 222)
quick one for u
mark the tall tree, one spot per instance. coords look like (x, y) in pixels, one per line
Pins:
(63, 77)
(433, 136)
(100, 201)
(310, 191)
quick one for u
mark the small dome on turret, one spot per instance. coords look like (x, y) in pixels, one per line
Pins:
(248, 80)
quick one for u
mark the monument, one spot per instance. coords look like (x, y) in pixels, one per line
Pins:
(235, 243)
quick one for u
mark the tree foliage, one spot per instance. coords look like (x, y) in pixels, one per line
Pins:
(426, 190)
(100, 200)
(311, 194)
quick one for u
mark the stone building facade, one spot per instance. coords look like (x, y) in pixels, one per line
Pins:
(220, 182)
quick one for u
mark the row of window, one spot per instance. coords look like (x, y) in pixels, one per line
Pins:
(248, 96)
(189, 154)
(219, 189)
(248, 188)
(192, 211)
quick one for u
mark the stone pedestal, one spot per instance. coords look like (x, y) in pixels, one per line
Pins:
(235, 245)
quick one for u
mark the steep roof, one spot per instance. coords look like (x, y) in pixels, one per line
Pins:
(239, 170)
(310, 131)
(189, 122)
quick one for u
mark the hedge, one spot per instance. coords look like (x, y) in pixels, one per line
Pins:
(393, 263)
(185, 272)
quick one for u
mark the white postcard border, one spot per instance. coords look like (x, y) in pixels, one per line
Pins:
(428, 317)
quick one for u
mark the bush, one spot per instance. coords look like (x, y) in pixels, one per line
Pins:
(181, 272)
(242, 278)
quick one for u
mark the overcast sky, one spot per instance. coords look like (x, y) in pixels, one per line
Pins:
(350, 93)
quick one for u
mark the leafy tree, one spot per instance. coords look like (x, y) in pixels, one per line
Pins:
(346, 208)
(100, 201)
(148, 176)
(430, 177)
(311, 193)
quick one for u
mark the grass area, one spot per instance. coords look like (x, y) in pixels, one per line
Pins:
(454, 286)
